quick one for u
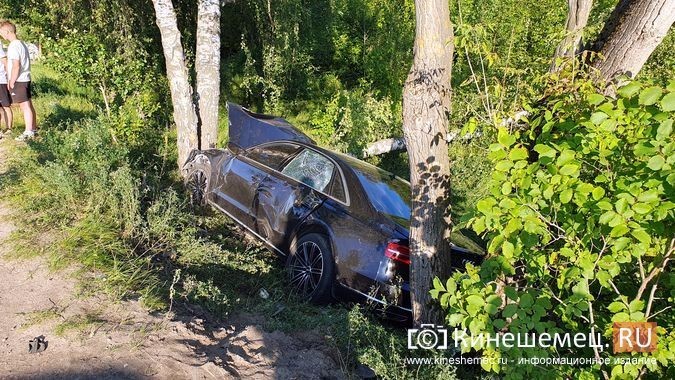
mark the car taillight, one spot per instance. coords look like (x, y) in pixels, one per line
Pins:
(398, 252)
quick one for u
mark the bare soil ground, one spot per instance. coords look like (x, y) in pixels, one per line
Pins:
(93, 337)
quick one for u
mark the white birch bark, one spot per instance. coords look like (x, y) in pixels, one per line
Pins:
(184, 113)
(207, 65)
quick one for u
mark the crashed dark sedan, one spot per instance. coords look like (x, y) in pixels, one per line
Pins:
(341, 223)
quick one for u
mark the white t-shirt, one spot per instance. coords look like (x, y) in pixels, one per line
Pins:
(3, 73)
(17, 50)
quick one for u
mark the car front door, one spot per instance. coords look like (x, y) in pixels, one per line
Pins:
(286, 197)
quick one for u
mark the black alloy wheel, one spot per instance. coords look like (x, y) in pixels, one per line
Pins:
(311, 268)
(197, 184)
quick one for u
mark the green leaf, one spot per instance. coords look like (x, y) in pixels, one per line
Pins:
(504, 165)
(526, 301)
(455, 319)
(656, 163)
(629, 89)
(665, 129)
(511, 293)
(566, 196)
(598, 193)
(603, 277)
(518, 154)
(499, 323)
(641, 235)
(485, 206)
(598, 117)
(604, 205)
(566, 156)
(450, 285)
(507, 249)
(438, 285)
(581, 288)
(649, 196)
(569, 169)
(616, 307)
(509, 311)
(621, 243)
(545, 150)
(621, 206)
(668, 102)
(636, 305)
(650, 95)
(606, 217)
(491, 308)
(619, 230)
(475, 300)
(504, 138)
(595, 99)
(642, 208)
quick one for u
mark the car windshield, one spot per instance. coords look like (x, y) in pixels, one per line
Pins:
(389, 194)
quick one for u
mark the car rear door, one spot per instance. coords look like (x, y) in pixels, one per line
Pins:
(286, 197)
(241, 176)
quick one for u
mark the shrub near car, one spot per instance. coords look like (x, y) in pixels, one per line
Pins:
(341, 222)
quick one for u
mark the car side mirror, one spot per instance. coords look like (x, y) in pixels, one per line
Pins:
(234, 148)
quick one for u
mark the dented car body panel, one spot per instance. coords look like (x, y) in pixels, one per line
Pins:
(274, 181)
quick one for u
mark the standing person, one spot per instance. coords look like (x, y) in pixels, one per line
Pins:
(18, 70)
(5, 98)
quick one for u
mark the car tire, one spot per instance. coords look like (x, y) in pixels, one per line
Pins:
(197, 180)
(311, 268)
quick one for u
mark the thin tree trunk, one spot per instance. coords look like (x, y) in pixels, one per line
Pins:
(176, 71)
(426, 107)
(207, 65)
(577, 18)
(633, 31)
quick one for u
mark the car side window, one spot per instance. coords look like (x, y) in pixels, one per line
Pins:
(273, 155)
(311, 168)
(337, 189)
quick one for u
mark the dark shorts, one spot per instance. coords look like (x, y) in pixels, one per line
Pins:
(5, 98)
(21, 92)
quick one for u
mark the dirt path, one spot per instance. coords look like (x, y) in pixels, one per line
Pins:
(94, 338)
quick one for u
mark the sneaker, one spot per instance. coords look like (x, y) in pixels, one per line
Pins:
(25, 136)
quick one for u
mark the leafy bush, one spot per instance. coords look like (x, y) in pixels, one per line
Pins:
(580, 219)
(385, 350)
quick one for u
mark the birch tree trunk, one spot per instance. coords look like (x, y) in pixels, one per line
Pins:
(207, 65)
(426, 107)
(633, 31)
(176, 71)
(577, 18)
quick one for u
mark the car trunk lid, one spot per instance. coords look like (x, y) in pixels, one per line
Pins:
(247, 129)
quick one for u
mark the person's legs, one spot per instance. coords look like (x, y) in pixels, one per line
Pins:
(5, 110)
(21, 95)
(28, 116)
(9, 117)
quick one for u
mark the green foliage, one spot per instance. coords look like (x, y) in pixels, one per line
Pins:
(581, 211)
(86, 58)
(385, 349)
